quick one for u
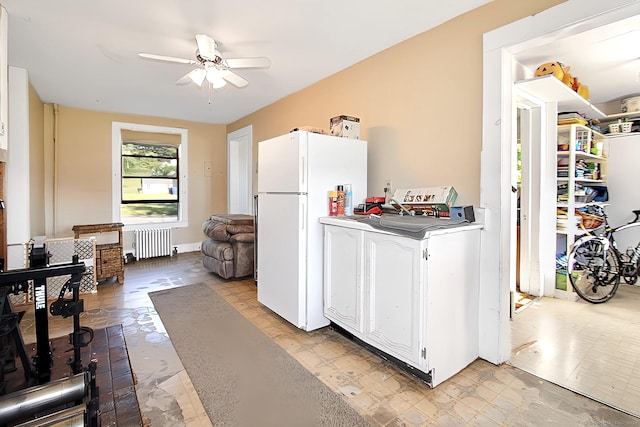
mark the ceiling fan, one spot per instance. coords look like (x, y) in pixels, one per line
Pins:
(211, 65)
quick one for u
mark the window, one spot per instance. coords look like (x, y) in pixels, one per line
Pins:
(149, 182)
(149, 185)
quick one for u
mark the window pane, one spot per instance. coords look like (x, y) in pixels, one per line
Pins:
(149, 166)
(148, 212)
(149, 150)
(149, 189)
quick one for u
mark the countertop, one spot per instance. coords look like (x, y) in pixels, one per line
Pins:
(415, 227)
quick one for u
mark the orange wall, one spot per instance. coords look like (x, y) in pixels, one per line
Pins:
(83, 169)
(419, 103)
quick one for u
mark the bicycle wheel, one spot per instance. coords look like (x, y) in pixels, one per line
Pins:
(593, 271)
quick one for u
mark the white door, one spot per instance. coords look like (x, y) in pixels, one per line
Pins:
(530, 129)
(393, 280)
(282, 164)
(282, 255)
(239, 167)
(343, 277)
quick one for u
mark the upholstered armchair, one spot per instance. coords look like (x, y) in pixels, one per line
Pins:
(228, 250)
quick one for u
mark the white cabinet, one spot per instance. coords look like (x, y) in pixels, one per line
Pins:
(415, 300)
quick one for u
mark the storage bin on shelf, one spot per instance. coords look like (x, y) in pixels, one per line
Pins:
(621, 127)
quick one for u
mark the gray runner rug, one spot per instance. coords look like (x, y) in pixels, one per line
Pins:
(243, 378)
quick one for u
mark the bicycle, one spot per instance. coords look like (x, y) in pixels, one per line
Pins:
(595, 265)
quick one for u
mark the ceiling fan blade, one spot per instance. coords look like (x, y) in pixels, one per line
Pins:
(184, 79)
(257, 62)
(233, 78)
(196, 75)
(167, 58)
(206, 46)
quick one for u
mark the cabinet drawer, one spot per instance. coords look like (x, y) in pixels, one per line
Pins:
(109, 262)
(110, 255)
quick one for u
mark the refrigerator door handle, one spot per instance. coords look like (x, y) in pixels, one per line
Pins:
(303, 215)
(303, 167)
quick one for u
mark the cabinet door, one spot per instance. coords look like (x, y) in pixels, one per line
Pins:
(451, 303)
(343, 277)
(110, 262)
(393, 277)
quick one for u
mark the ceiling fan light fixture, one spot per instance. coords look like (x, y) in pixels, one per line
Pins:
(197, 76)
(211, 65)
(215, 78)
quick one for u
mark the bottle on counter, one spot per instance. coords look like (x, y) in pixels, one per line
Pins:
(333, 203)
(348, 200)
(341, 196)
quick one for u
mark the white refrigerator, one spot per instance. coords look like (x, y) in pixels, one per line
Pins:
(296, 171)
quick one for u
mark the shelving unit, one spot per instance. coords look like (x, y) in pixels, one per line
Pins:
(550, 89)
(579, 141)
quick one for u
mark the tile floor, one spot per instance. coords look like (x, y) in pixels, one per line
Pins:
(591, 348)
(482, 394)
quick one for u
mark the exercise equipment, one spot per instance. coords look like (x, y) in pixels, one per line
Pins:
(17, 281)
(72, 417)
(81, 388)
(30, 401)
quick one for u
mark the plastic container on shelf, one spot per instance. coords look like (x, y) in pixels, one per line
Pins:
(614, 128)
(620, 127)
(625, 127)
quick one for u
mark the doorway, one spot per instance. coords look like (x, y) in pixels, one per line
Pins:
(501, 69)
(239, 171)
(528, 283)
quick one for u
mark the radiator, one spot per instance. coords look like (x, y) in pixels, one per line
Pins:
(152, 242)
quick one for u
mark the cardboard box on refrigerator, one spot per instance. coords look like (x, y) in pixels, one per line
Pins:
(345, 126)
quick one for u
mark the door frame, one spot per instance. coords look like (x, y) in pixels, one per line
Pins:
(240, 171)
(530, 125)
(500, 71)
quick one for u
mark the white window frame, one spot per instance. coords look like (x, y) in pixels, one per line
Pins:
(116, 166)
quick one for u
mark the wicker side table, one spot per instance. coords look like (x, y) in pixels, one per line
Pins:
(109, 256)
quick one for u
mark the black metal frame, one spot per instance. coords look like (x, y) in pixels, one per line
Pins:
(38, 273)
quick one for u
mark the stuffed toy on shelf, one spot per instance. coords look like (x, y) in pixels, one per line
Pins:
(562, 73)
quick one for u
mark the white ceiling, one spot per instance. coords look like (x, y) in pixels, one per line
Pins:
(83, 54)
